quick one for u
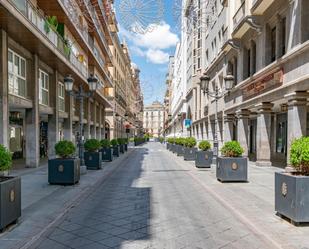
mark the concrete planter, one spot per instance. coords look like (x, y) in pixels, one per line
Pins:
(203, 159)
(168, 146)
(189, 154)
(64, 171)
(107, 154)
(10, 200)
(232, 169)
(121, 148)
(180, 150)
(292, 197)
(93, 160)
(116, 151)
(126, 147)
(173, 148)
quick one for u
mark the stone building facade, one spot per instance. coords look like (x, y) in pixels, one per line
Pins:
(264, 44)
(36, 55)
(153, 119)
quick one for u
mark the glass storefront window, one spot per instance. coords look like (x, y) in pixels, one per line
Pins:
(281, 138)
(44, 88)
(61, 94)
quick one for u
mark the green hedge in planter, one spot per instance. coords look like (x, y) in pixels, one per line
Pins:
(161, 139)
(232, 149)
(171, 140)
(114, 142)
(299, 155)
(189, 142)
(65, 149)
(105, 143)
(92, 145)
(204, 145)
(5, 158)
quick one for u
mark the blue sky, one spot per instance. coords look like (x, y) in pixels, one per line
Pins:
(150, 51)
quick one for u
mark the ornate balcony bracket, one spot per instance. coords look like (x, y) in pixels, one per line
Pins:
(252, 22)
(234, 44)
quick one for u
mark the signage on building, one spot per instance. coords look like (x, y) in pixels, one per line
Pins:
(264, 84)
(188, 123)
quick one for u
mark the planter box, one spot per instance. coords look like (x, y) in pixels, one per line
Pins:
(116, 151)
(180, 150)
(189, 154)
(232, 169)
(10, 200)
(292, 197)
(93, 160)
(173, 148)
(168, 146)
(126, 147)
(203, 159)
(121, 148)
(107, 154)
(63, 171)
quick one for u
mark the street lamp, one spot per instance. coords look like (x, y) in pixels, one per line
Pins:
(216, 94)
(81, 95)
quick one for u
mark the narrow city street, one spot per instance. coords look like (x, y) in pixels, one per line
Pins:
(156, 200)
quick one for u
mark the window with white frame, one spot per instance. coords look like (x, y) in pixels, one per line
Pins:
(61, 94)
(17, 74)
(44, 88)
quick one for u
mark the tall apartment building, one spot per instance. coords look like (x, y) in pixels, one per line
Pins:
(264, 44)
(41, 43)
(153, 119)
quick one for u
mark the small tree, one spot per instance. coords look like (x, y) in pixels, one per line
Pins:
(232, 149)
(299, 155)
(105, 143)
(65, 149)
(204, 145)
(5, 159)
(92, 145)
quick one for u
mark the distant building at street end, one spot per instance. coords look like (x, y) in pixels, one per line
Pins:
(153, 119)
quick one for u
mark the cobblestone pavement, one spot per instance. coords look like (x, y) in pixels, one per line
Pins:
(152, 202)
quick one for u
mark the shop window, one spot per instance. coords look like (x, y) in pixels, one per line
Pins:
(61, 95)
(16, 74)
(44, 88)
(281, 143)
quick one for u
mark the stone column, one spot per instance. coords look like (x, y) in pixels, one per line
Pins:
(68, 122)
(297, 117)
(4, 91)
(263, 151)
(33, 119)
(100, 135)
(53, 120)
(228, 127)
(103, 121)
(87, 126)
(242, 129)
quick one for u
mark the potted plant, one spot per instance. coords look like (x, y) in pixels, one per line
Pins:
(231, 166)
(203, 157)
(121, 144)
(291, 188)
(92, 156)
(115, 147)
(10, 191)
(180, 148)
(106, 150)
(66, 169)
(169, 143)
(126, 141)
(189, 148)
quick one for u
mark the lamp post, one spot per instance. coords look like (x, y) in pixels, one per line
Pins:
(216, 94)
(81, 94)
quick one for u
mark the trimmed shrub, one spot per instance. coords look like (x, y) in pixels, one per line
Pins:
(114, 142)
(5, 158)
(65, 149)
(120, 141)
(189, 142)
(161, 139)
(105, 143)
(92, 145)
(299, 155)
(204, 145)
(232, 149)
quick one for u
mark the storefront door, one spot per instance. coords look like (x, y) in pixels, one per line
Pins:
(281, 136)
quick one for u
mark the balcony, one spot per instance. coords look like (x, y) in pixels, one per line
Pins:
(38, 21)
(260, 6)
(240, 25)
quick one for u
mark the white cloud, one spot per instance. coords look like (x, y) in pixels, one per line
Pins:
(157, 56)
(137, 51)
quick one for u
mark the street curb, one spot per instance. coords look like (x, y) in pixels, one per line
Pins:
(83, 194)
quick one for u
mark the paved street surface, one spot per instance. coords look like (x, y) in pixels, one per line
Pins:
(154, 200)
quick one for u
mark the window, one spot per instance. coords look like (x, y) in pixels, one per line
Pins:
(17, 74)
(44, 86)
(273, 44)
(61, 95)
(283, 33)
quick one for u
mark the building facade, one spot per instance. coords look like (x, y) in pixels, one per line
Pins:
(264, 45)
(45, 42)
(154, 119)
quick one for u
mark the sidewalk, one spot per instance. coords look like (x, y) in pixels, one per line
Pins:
(44, 204)
(252, 203)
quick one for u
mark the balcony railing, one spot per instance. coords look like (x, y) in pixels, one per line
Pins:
(240, 14)
(38, 20)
